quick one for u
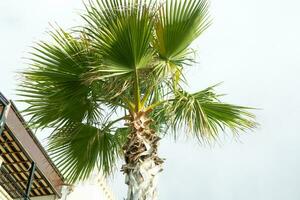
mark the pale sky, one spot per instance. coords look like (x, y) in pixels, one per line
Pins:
(254, 47)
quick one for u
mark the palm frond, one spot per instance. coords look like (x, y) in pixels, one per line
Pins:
(53, 85)
(204, 115)
(122, 33)
(78, 149)
(179, 23)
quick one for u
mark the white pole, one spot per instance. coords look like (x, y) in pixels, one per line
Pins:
(1, 161)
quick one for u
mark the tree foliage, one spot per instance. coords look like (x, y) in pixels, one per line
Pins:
(128, 56)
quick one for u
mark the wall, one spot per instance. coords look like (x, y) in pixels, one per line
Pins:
(52, 197)
(94, 188)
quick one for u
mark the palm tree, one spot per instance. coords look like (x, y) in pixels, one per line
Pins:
(113, 88)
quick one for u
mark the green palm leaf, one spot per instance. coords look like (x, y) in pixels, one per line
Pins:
(179, 23)
(79, 149)
(53, 86)
(122, 32)
(204, 115)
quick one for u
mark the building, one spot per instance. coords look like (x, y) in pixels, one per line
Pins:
(95, 188)
(26, 171)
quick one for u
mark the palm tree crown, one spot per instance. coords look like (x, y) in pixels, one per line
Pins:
(128, 57)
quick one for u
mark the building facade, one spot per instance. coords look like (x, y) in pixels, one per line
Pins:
(27, 172)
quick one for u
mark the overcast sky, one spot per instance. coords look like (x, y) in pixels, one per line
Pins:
(254, 47)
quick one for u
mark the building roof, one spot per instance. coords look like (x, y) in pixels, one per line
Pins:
(19, 149)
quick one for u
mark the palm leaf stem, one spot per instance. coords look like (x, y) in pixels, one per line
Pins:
(137, 91)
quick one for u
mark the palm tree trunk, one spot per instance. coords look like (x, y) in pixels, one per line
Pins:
(142, 163)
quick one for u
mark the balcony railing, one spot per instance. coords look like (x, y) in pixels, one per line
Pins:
(26, 171)
(11, 185)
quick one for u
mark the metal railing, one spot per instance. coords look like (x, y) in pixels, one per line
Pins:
(11, 185)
